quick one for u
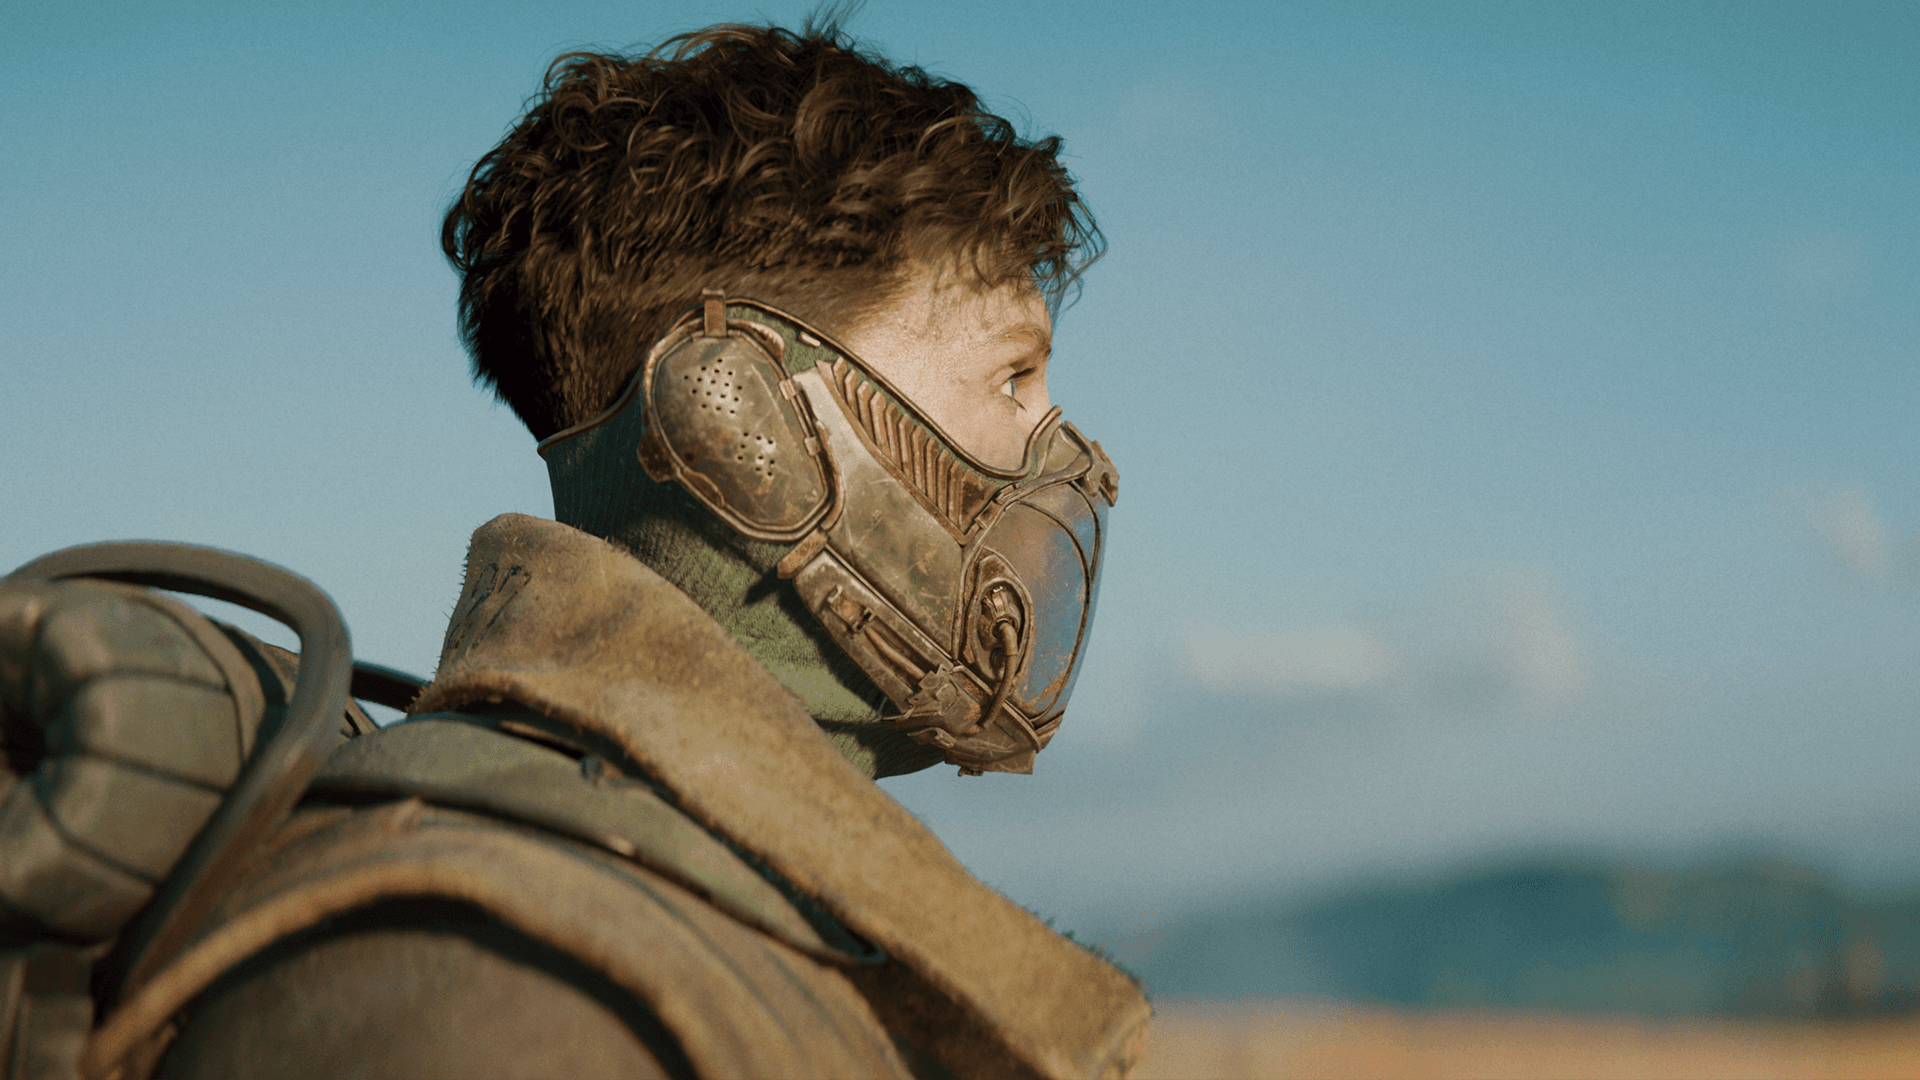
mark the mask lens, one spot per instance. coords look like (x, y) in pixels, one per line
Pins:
(1051, 538)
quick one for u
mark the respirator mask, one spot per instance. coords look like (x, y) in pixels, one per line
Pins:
(964, 592)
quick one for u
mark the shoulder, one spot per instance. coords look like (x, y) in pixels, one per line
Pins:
(424, 988)
(403, 930)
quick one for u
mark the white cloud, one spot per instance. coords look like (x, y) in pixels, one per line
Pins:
(1496, 645)
(1316, 660)
(1545, 658)
(1845, 517)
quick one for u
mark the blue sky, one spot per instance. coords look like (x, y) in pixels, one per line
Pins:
(1515, 403)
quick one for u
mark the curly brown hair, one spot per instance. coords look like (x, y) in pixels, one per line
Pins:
(796, 168)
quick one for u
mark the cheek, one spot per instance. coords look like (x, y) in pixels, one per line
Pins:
(991, 427)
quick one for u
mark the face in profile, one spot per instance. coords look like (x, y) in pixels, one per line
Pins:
(974, 360)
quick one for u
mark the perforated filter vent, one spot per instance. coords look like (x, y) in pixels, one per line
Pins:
(714, 388)
(720, 421)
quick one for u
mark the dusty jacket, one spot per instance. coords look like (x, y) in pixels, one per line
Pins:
(871, 950)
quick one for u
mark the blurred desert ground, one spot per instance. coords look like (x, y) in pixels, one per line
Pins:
(1254, 1040)
(1734, 968)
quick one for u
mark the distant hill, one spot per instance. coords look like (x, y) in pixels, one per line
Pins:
(1745, 939)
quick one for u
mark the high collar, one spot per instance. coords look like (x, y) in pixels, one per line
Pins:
(566, 623)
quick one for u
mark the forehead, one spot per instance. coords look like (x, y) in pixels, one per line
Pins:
(941, 305)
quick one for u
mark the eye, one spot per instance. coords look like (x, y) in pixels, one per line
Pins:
(1012, 386)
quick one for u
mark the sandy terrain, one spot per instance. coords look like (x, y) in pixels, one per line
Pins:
(1248, 1040)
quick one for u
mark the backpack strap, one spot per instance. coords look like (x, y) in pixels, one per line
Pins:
(512, 766)
(740, 1002)
(45, 1013)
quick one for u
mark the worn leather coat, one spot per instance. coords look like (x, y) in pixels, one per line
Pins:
(683, 874)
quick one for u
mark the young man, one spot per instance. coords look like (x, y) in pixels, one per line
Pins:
(779, 313)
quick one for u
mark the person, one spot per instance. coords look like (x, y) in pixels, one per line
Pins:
(779, 313)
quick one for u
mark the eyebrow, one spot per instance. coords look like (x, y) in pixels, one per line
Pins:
(1033, 332)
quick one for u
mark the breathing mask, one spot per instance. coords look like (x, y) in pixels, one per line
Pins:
(965, 592)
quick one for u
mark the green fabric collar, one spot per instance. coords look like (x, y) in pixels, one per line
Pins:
(600, 488)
